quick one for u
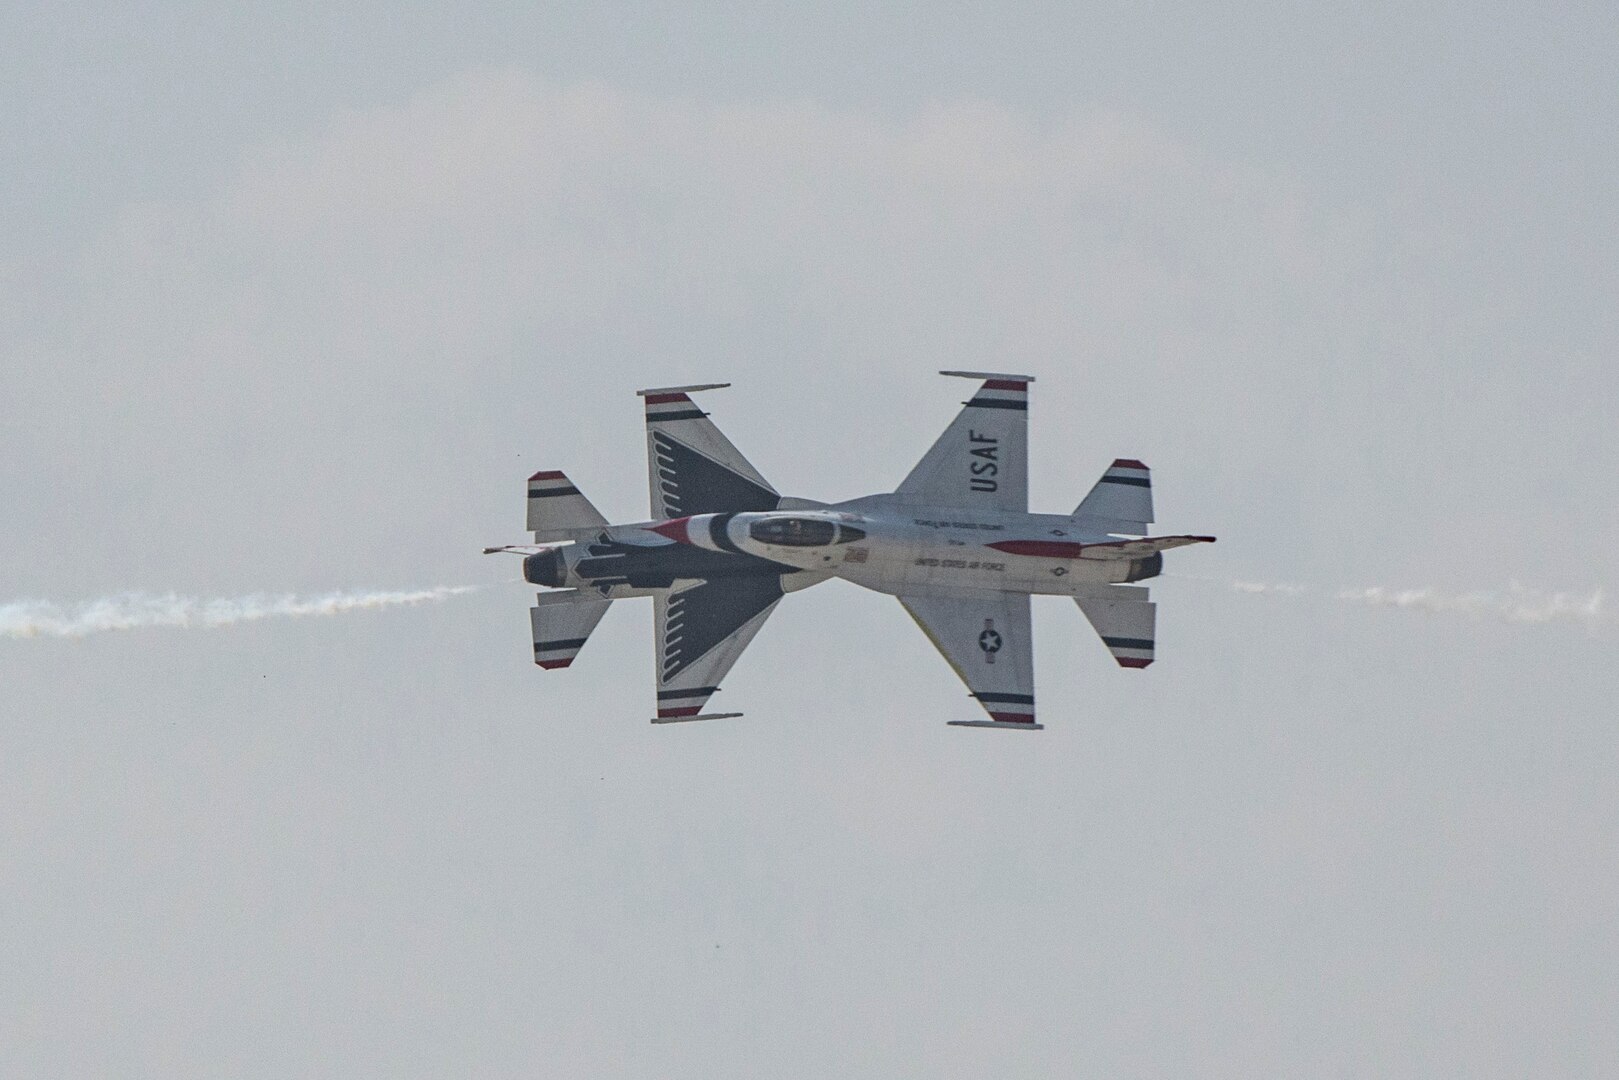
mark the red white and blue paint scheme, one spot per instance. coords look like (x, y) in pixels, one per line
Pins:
(955, 544)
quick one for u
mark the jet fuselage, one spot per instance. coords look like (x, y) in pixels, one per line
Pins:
(876, 542)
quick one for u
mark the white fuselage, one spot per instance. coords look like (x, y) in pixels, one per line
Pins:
(890, 546)
(913, 550)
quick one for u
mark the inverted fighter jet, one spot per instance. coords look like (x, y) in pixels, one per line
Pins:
(955, 543)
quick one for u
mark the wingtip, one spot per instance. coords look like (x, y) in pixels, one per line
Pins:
(692, 389)
(1001, 725)
(1008, 376)
(665, 719)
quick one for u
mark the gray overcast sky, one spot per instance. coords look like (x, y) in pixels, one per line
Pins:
(292, 299)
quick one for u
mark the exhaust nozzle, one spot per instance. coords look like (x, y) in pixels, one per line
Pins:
(1150, 567)
(545, 568)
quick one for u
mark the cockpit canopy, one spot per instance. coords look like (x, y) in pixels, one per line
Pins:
(803, 532)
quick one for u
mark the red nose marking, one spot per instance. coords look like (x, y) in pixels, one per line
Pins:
(674, 530)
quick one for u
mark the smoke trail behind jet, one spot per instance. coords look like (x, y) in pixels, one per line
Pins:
(1259, 587)
(139, 611)
(1517, 604)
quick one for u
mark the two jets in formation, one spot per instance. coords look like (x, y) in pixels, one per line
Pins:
(955, 543)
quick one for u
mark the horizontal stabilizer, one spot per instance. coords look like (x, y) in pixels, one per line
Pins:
(557, 511)
(1126, 625)
(1121, 501)
(562, 621)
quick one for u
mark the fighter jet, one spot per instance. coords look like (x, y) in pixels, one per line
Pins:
(954, 543)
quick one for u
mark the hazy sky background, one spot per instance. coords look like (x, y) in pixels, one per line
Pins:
(294, 300)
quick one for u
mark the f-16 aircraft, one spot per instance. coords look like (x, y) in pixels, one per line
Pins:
(955, 543)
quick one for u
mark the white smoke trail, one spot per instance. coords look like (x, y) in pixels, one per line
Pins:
(138, 611)
(1261, 587)
(1517, 604)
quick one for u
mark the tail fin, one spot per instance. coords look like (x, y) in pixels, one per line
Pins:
(562, 621)
(1121, 501)
(556, 510)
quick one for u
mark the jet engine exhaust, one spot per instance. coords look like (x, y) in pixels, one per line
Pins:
(545, 568)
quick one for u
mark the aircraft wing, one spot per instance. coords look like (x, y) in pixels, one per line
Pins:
(692, 466)
(701, 631)
(982, 459)
(988, 640)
